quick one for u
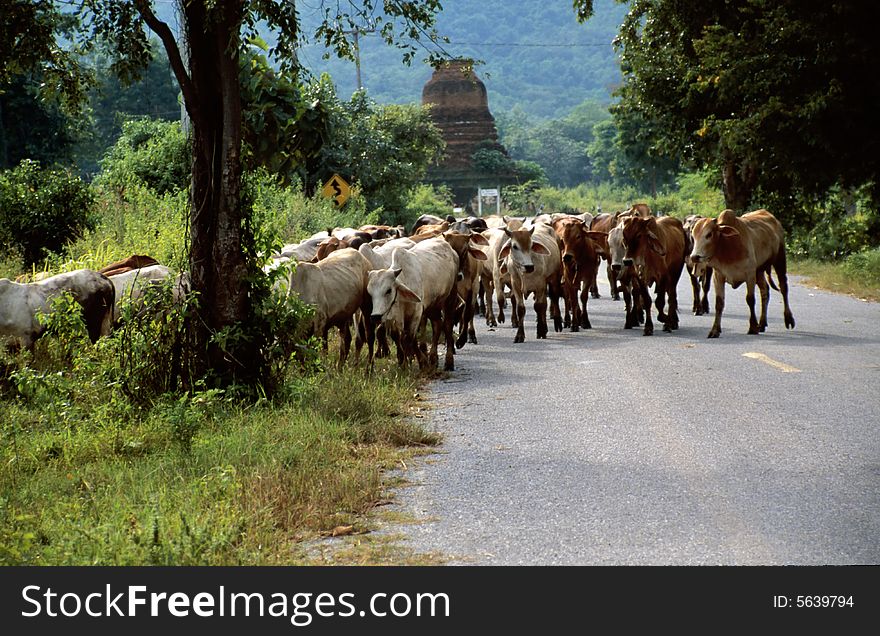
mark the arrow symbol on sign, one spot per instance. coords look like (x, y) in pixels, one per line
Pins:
(336, 188)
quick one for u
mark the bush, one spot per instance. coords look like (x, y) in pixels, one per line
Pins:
(149, 152)
(834, 228)
(42, 209)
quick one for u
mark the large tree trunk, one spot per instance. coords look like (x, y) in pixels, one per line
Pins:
(217, 261)
(738, 180)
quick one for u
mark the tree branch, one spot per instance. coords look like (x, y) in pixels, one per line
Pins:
(164, 32)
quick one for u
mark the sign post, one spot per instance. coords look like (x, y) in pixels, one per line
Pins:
(337, 189)
(489, 192)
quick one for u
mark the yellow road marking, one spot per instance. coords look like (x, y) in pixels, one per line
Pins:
(785, 368)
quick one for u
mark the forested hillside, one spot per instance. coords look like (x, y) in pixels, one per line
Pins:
(535, 55)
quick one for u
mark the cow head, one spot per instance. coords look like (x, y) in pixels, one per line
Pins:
(520, 248)
(708, 237)
(640, 236)
(385, 290)
(616, 248)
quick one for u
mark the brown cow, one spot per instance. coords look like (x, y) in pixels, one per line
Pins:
(328, 246)
(470, 260)
(742, 250)
(135, 261)
(580, 264)
(656, 248)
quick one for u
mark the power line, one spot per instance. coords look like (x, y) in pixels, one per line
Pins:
(527, 44)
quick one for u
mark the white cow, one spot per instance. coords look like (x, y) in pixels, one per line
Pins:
(424, 277)
(20, 303)
(131, 286)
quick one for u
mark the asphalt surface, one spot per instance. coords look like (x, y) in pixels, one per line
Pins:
(605, 447)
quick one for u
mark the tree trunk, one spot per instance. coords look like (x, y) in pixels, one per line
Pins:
(217, 261)
(738, 183)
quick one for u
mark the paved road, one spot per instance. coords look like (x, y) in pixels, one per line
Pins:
(607, 447)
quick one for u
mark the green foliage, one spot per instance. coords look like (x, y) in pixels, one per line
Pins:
(42, 209)
(32, 127)
(113, 102)
(149, 152)
(558, 146)
(865, 265)
(770, 95)
(428, 199)
(282, 128)
(842, 224)
(384, 150)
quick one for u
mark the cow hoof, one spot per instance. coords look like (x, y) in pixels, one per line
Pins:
(753, 331)
(575, 328)
(501, 317)
(648, 331)
(472, 338)
(789, 322)
(586, 324)
(518, 338)
(714, 334)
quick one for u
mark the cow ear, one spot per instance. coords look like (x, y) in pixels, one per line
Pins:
(503, 269)
(728, 231)
(478, 239)
(406, 294)
(656, 245)
(396, 271)
(478, 254)
(504, 250)
(537, 248)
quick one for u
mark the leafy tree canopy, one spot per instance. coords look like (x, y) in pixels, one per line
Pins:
(777, 96)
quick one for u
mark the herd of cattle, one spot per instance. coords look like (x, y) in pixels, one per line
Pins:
(389, 283)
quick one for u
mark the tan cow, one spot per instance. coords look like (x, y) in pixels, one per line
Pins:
(742, 250)
(532, 257)
(656, 248)
(337, 289)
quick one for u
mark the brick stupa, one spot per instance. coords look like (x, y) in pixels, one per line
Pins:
(460, 108)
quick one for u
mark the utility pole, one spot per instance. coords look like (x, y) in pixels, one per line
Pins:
(357, 51)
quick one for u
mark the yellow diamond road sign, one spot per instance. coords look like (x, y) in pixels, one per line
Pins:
(337, 189)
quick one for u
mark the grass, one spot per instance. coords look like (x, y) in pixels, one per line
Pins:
(858, 275)
(89, 479)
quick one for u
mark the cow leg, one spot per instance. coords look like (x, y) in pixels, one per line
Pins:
(672, 313)
(631, 320)
(660, 301)
(344, 342)
(555, 290)
(697, 309)
(750, 301)
(782, 278)
(572, 309)
(481, 298)
(466, 322)
(446, 323)
(499, 297)
(585, 318)
(518, 309)
(514, 312)
(719, 282)
(765, 300)
(646, 303)
(489, 288)
(541, 314)
(706, 283)
(612, 279)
